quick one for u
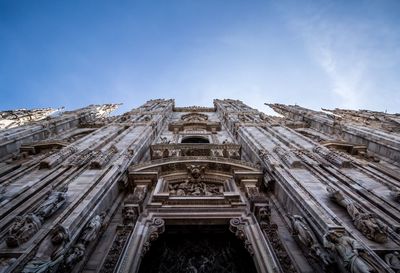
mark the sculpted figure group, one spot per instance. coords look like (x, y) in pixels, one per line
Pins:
(349, 252)
(50, 252)
(25, 227)
(337, 247)
(88, 234)
(366, 222)
(188, 188)
(393, 260)
(308, 239)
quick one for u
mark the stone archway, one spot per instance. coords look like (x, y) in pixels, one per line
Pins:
(197, 249)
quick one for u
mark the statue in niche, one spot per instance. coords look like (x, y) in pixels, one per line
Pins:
(348, 251)
(366, 222)
(308, 239)
(50, 252)
(23, 229)
(301, 229)
(90, 233)
(393, 260)
(92, 228)
(53, 202)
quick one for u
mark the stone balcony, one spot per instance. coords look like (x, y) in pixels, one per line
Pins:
(159, 151)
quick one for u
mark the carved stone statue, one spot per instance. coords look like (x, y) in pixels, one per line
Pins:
(129, 215)
(90, 233)
(301, 229)
(348, 252)
(307, 237)
(5, 263)
(139, 193)
(50, 253)
(366, 222)
(395, 193)
(92, 228)
(53, 202)
(393, 260)
(264, 214)
(195, 171)
(164, 140)
(75, 254)
(23, 229)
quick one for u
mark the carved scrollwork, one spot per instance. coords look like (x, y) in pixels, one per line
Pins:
(237, 227)
(156, 228)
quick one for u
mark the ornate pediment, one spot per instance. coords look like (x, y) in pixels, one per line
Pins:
(197, 181)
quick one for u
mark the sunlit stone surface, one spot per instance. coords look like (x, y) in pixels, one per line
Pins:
(195, 189)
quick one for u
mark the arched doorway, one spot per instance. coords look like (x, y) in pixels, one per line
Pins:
(197, 249)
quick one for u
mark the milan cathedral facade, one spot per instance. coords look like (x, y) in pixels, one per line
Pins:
(195, 189)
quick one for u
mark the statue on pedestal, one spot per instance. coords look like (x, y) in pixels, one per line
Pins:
(348, 252)
(365, 222)
(50, 253)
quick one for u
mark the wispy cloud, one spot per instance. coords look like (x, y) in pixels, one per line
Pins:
(354, 50)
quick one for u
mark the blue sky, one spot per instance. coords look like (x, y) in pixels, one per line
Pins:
(316, 54)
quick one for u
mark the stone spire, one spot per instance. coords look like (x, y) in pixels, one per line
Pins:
(14, 118)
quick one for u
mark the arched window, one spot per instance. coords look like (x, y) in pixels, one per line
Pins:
(195, 139)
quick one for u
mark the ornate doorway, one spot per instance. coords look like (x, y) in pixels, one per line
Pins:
(197, 249)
